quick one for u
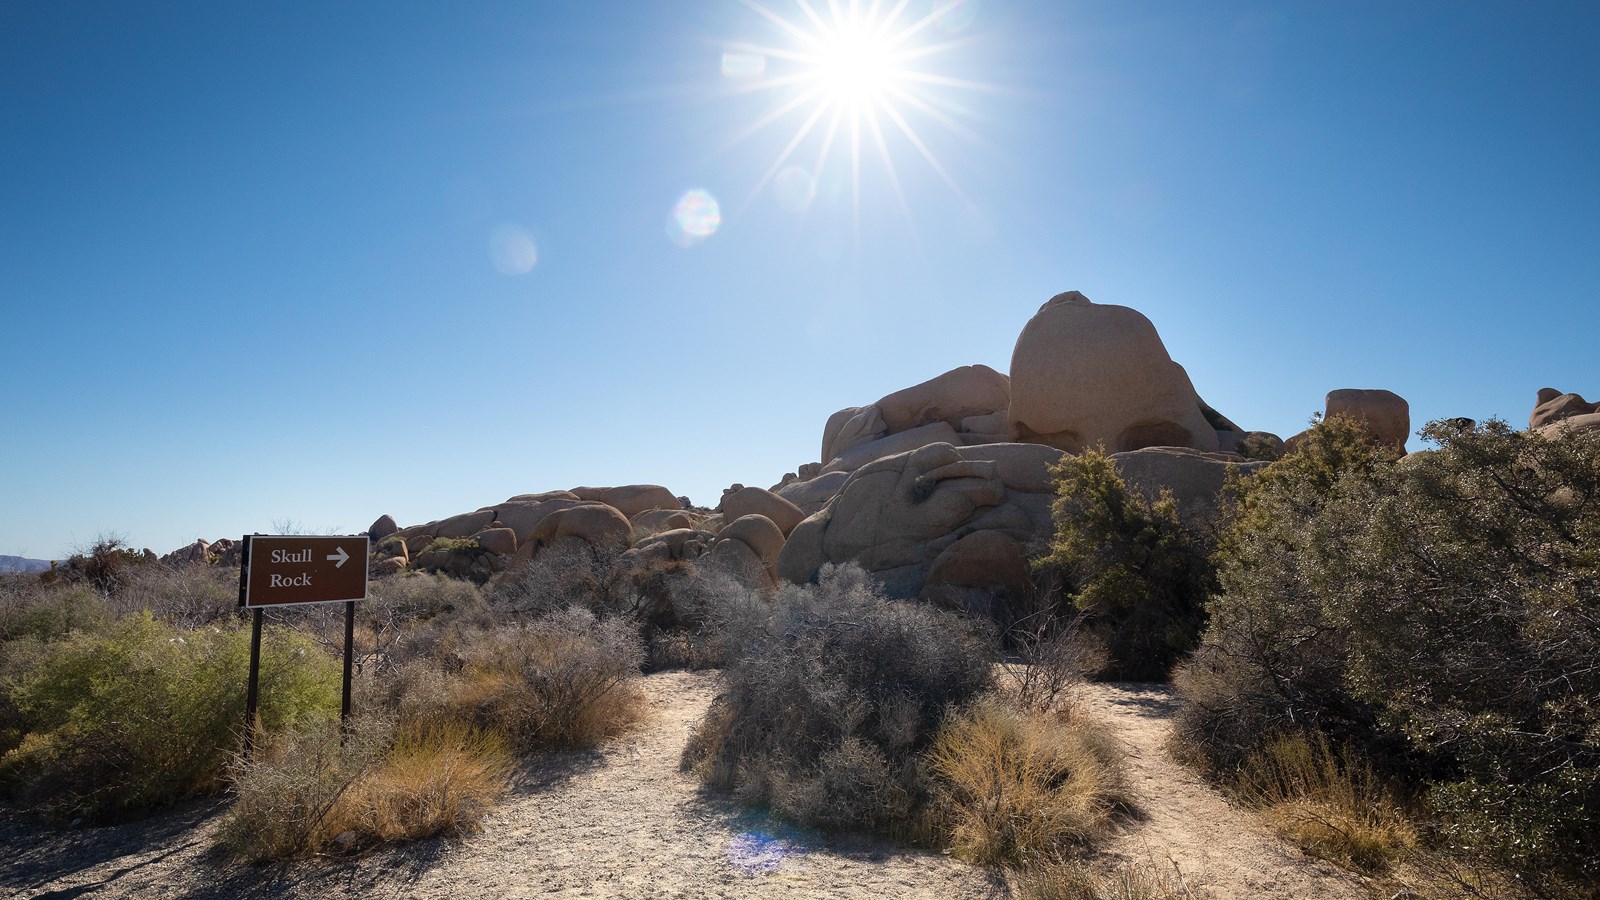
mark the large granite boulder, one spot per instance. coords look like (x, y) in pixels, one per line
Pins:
(464, 525)
(813, 494)
(631, 499)
(523, 516)
(1085, 374)
(895, 516)
(595, 524)
(499, 541)
(853, 458)
(381, 528)
(197, 553)
(962, 393)
(1553, 406)
(849, 427)
(1588, 422)
(934, 411)
(970, 574)
(1384, 413)
(746, 501)
(656, 520)
(748, 547)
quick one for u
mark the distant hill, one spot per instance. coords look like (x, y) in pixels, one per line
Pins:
(22, 564)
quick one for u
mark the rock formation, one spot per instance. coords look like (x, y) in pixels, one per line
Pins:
(1085, 374)
(1384, 413)
(897, 515)
(1554, 412)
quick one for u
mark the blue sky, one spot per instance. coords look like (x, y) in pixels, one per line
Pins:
(265, 262)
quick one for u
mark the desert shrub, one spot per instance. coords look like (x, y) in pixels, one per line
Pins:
(830, 700)
(303, 792)
(449, 545)
(1053, 654)
(1271, 662)
(187, 595)
(565, 575)
(1021, 787)
(30, 609)
(708, 609)
(120, 721)
(1330, 802)
(566, 680)
(1130, 565)
(106, 565)
(415, 614)
(1261, 447)
(284, 793)
(1440, 616)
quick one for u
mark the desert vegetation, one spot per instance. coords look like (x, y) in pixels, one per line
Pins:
(1139, 576)
(1402, 651)
(845, 710)
(121, 691)
(1389, 659)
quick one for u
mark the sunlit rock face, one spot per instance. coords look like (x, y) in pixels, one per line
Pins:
(1384, 413)
(1556, 413)
(935, 411)
(897, 516)
(1553, 406)
(1085, 374)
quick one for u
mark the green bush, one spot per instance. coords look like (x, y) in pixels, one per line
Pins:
(448, 545)
(831, 699)
(1440, 614)
(120, 721)
(1129, 564)
(1271, 661)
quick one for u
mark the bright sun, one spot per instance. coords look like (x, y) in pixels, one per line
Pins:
(853, 73)
(857, 66)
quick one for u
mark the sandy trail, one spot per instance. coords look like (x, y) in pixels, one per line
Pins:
(623, 822)
(1185, 823)
(619, 822)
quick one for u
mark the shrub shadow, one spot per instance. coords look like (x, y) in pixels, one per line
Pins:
(37, 855)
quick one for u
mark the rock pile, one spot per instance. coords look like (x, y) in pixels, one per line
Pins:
(942, 489)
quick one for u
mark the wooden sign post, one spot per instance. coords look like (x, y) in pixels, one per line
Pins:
(288, 570)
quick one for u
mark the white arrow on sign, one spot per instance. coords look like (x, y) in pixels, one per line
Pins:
(341, 556)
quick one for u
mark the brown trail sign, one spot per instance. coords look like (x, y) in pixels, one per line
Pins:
(291, 569)
(284, 569)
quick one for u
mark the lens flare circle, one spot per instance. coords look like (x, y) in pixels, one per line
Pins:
(695, 217)
(513, 250)
(795, 189)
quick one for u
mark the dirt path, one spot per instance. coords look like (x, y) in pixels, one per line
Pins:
(620, 822)
(623, 822)
(1185, 822)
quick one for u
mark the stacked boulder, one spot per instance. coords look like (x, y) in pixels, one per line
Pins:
(477, 544)
(1554, 412)
(943, 490)
(1085, 375)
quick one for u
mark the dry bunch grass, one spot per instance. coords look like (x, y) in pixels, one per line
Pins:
(1020, 787)
(303, 793)
(433, 782)
(1327, 801)
(1128, 881)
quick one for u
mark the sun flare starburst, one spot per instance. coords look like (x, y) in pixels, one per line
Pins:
(853, 73)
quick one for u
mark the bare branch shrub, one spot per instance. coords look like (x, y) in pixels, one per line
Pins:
(830, 699)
